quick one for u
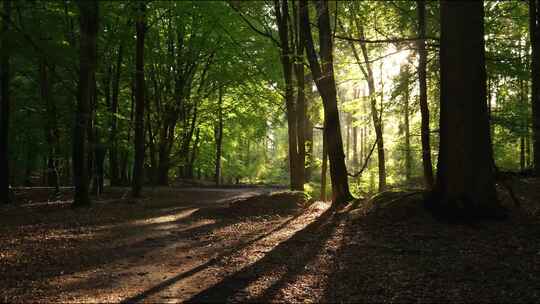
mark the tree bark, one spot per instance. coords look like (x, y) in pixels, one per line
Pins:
(300, 101)
(138, 165)
(218, 135)
(4, 107)
(424, 108)
(465, 177)
(87, 67)
(534, 34)
(408, 157)
(324, 167)
(323, 74)
(308, 129)
(51, 128)
(114, 169)
(281, 10)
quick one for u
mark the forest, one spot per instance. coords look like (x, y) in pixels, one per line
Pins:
(269, 151)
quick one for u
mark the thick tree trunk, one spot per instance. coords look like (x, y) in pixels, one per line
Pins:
(534, 33)
(465, 177)
(424, 108)
(218, 135)
(323, 74)
(89, 28)
(138, 165)
(4, 106)
(114, 169)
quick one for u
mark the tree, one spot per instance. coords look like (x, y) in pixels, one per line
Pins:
(365, 65)
(424, 109)
(114, 169)
(140, 26)
(534, 34)
(4, 105)
(323, 74)
(465, 176)
(294, 118)
(87, 60)
(218, 135)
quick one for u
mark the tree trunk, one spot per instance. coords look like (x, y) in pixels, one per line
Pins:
(323, 74)
(534, 33)
(355, 144)
(465, 177)
(51, 128)
(281, 10)
(348, 121)
(324, 168)
(113, 150)
(218, 134)
(300, 102)
(375, 115)
(193, 156)
(138, 165)
(87, 66)
(424, 108)
(408, 158)
(308, 129)
(4, 106)
(522, 94)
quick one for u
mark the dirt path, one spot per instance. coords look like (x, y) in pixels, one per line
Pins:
(167, 248)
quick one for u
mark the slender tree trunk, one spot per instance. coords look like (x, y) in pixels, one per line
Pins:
(300, 101)
(89, 28)
(408, 158)
(354, 144)
(362, 144)
(534, 33)
(218, 134)
(51, 129)
(424, 108)
(138, 166)
(324, 167)
(522, 94)
(193, 156)
(309, 129)
(113, 150)
(323, 74)
(348, 120)
(465, 176)
(375, 115)
(4, 106)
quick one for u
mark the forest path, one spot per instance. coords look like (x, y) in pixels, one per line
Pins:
(172, 245)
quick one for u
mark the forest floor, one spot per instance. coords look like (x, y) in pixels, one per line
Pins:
(216, 245)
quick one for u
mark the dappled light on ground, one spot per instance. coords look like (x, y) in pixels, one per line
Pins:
(199, 248)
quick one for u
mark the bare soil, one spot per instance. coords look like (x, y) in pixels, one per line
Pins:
(209, 245)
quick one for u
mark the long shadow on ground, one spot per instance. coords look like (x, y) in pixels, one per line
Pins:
(214, 261)
(288, 259)
(418, 259)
